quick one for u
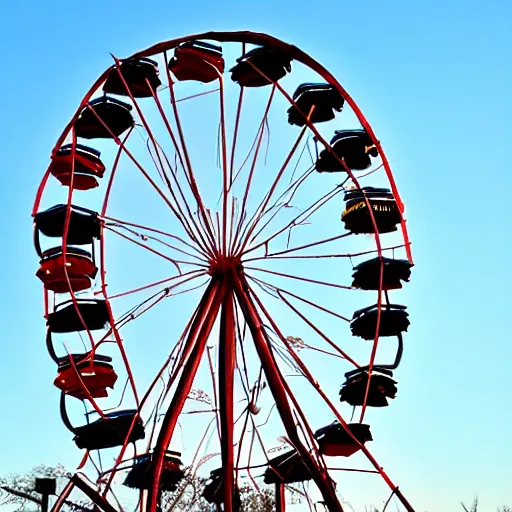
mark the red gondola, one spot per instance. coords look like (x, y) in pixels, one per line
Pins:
(335, 441)
(96, 375)
(79, 267)
(197, 60)
(88, 167)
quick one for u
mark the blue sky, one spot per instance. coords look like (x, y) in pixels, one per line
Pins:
(433, 78)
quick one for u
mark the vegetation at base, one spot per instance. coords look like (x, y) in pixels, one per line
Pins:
(18, 492)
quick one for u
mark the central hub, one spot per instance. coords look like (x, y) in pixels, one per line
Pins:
(225, 265)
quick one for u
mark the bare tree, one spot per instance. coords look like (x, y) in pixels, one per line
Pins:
(18, 491)
(188, 498)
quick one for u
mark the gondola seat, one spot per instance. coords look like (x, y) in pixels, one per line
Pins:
(141, 474)
(84, 171)
(335, 441)
(94, 313)
(366, 275)
(274, 64)
(385, 210)
(79, 269)
(140, 75)
(84, 225)
(393, 321)
(104, 118)
(382, 387)
(354, 147)
(96, 375)
(287, 468)
(321, 100)
(213, 491)
(197, 60)
(110, 431)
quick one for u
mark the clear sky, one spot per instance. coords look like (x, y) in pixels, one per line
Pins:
(434, 80)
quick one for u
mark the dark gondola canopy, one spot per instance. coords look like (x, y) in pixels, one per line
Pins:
(141, 474)
(250, 68)
(93, 312)
(84, 225)
(213, 492)
(385, 211)
(382, 387)
(367, 274)
(318, 101)
(393, 321)
(110, 431)
(139, 75)
(80, 357)
(104, 118)
(354, 147)
(335, 441)
(287, 468)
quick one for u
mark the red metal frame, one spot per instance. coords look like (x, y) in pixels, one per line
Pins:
(278, 390)
(223, 247)
(227, 355)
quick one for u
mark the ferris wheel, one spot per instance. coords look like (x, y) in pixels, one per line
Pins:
(219, 212)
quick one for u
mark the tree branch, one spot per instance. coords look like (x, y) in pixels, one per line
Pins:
(37, 501)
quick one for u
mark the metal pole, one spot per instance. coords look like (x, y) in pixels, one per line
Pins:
(44, 503)
(196, 342)
(227, 355)
(280, 498)
(45, 487)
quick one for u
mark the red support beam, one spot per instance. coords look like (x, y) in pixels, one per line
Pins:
(93, 495)
(195, 345)
(280, 498)
(227, 354)
(61, 500)
(277, 388)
